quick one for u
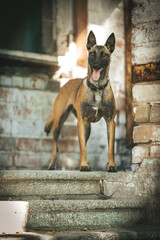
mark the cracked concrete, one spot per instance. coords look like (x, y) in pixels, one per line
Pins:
(142, 184)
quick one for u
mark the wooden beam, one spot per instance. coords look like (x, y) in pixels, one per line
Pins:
(128, 75)
(146, 72)
(81, 31)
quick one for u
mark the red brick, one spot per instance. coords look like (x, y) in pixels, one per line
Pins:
(26, 144)
(46, 145)
(146, 133)
(139, 153)
(32, 160)
(8, 111)
(4, 93)
(15, 96)
(34, 145)
(4, 113)
(26, 112)
(68, 145)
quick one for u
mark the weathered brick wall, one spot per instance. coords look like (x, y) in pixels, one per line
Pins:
(25, 102)
(146, 91)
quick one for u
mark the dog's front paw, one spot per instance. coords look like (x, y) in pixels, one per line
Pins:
(85, 168)
(112, 169)
(52, 168)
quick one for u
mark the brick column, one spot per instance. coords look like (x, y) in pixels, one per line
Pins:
(145, 79)
(146, 133)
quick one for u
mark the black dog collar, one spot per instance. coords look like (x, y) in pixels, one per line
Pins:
(95, 88)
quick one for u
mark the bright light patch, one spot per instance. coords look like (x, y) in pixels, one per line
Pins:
(68, 66)
(13, 216)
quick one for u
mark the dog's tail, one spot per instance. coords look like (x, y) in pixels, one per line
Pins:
(49, 124)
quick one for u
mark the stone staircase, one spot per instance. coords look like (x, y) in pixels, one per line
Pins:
(69, 205)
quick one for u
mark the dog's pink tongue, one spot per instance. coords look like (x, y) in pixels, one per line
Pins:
(96, 74)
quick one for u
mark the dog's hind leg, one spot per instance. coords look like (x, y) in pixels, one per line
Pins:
(87, 131)
(56, 132)
(60, 116)
(49, 123)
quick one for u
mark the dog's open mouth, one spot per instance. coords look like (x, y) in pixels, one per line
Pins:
(96, 74)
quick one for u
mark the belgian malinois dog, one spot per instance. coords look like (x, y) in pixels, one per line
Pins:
(89, 99)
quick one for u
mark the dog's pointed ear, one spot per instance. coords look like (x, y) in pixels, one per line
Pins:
(91, 41)
(110, 43)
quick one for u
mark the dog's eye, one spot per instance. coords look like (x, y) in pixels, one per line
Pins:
(103, 54)
(92, 54)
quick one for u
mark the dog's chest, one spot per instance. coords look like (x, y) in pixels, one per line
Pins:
(97, 97)
(95, 107)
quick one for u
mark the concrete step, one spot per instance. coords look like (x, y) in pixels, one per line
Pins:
(29, 185)
(113, 234)
(60, 215)
(60, 201)
(51, 185)
(138, 233)
(70, 215)
(37, 184)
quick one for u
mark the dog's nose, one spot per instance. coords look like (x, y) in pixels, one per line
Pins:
(96, 66)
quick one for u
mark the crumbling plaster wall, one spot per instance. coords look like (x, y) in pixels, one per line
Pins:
(146, 90)
(146, 97)
(144, 181)
(143, 184)
(26, 94)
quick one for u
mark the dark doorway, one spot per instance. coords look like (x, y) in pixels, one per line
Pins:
(21, 25)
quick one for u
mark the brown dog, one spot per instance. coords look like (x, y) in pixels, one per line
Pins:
(89, 99)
